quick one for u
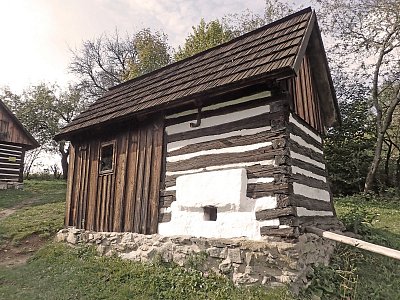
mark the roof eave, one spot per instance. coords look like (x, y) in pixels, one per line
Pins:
(286, 72)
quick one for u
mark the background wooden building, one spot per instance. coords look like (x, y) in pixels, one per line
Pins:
(14, 141)
(257, 104)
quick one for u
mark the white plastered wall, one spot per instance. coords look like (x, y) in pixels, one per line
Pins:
(225, 190)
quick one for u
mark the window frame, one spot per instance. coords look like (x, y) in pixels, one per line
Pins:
(102, 145)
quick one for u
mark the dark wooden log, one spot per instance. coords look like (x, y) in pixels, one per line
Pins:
(164, 217)
(264, 153)
(275, 137)
(311, 204)
(308, 167)
(309, 181)
(248, 123)
(295, 147)
(288, 232)
(269, 214)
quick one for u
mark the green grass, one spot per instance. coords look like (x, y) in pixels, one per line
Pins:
(43, 220)
(35, 191)
(358, 274)
(61, 272)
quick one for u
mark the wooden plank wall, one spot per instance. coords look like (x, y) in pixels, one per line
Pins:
(125, 199)
(10, 132)
(11, 162)
(248, 132)
(305, 97)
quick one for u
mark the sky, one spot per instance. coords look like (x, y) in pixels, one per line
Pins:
(37, 35)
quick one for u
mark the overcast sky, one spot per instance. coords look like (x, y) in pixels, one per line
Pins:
(36, 34)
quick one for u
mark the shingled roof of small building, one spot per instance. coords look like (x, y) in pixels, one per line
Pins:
(272, 51)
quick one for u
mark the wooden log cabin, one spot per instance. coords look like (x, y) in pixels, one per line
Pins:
(15, 140)
(225, 143)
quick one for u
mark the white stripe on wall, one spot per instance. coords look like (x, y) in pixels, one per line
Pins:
(9, 164)
(303, 143)
(10, 154)
(297, 170)
(305, 129)
(237, 149)
(304, 212)
(218, 120)
(244, 132)
(269, 223)
(261, 180)
(307, 159)
(223, 104)
(11, 146)
(267, 202)
(269, 162)
(252, 180)
(7, 169)
(11, 175)
(311, 192)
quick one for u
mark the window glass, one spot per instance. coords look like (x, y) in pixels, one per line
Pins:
(106, 158)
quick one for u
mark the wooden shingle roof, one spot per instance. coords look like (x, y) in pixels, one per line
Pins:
(272, 51)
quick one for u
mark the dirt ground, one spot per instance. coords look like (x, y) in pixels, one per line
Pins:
(12, 254)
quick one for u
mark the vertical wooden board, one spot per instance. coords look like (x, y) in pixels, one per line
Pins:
(302, 90)
(81, 213)
(120, 173)
(86, 186)
(77, 186)
(111, 206)
(70, 184)
(92, 185)
(99, 203)
(156, 174)
(139, 183)
(299, 101)
(103, 202)
(130, 187)
(146, 178)
(309, 93)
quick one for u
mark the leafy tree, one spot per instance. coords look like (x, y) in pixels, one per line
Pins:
(152, 53)
(204, 36)
(109, 60)
(367, 39)
(241, 23)
(348, 148)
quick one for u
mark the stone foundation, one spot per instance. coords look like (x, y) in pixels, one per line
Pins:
(270, 262)
(4, 185)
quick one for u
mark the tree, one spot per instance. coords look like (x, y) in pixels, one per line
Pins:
(204, 36)
(109, 60)
(152, 53)
(241, 23)
(367, 34)
(348, 148)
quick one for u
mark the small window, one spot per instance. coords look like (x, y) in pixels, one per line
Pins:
(107, 158)
(210, 213)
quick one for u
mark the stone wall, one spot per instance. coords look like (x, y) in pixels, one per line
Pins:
(270, 262)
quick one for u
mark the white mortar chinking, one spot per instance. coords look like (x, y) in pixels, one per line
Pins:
(305, 129)
(311, 192)
(304, 212)
(218, 120)
(222, 104)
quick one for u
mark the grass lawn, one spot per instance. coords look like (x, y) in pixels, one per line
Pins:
(60, 272)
